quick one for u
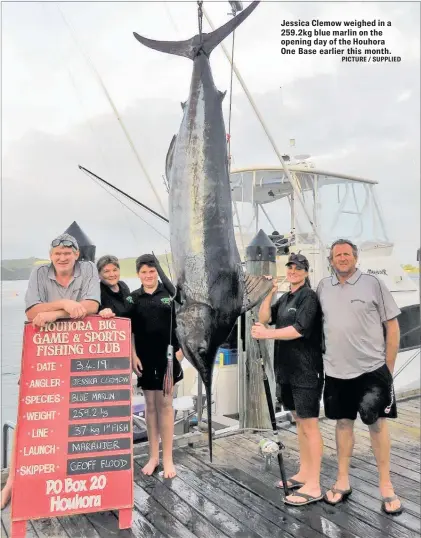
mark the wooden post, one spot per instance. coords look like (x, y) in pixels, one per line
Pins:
(260, 260)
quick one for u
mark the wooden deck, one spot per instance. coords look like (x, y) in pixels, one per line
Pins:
(235, 497)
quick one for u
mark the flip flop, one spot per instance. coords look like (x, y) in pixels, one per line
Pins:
(310, 499)
(345, 493)
(389, 500)
(295, 484)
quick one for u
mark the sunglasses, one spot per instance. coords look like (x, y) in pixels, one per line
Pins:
(298, 257)
(64, 243)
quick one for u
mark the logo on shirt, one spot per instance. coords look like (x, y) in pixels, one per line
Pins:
(166, 300)
(292, 309)
(129, 299)
(357, 301)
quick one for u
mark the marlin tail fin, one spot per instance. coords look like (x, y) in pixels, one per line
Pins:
(193, 47)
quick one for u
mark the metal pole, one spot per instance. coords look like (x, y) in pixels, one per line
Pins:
(8, 425)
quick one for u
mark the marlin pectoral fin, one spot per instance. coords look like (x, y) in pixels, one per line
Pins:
(169, 158)
(257, 287)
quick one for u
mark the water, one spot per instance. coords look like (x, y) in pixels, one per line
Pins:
(12, 323)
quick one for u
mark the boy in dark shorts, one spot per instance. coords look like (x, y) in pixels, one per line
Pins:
(151, 311)
(362, 340)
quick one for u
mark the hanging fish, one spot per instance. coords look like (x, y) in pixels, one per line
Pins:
(212, 289)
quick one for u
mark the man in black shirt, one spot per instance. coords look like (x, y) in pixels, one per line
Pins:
(151, 311)
(298, 364)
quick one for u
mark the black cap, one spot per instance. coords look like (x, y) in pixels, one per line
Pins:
(299, 260)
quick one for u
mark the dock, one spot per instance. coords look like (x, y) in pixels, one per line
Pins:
(235, 496)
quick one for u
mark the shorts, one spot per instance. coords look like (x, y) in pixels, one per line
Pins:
(153, 378)
(371, 395)
(304, 401)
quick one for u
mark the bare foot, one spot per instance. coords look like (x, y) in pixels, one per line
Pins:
(386, 491)
(6, 495)
(150, 466)
(299, 477)
(169, 470)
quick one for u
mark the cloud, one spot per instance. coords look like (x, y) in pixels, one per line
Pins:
(356, 119)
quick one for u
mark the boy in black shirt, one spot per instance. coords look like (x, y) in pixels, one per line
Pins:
(151, 311)
(298, 363)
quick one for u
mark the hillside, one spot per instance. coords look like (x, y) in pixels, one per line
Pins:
(20, 269)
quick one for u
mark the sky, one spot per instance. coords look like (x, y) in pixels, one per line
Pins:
(359, 119)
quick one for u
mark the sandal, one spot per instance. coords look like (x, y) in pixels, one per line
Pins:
(295, 484)
(345, 493)
(310, 499)
(389, 500)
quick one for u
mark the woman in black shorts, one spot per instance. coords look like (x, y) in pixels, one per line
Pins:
(298, 364)
(152, 314)
(113, 290)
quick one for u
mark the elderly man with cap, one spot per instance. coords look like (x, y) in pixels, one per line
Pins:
(298, 366)
(65, 288)
(155, 341)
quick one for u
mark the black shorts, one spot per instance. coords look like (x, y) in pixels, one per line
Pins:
(153, 379)
(305, 402)
(371, 395)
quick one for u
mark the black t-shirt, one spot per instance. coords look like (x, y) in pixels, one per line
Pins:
(299, 362)
(115, 299)
(153, 317)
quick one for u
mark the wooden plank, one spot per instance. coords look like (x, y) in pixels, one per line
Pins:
(350, 517)
(329, 469)
(78, 527)
(191, 509)
(106, 524)
(364, 495)
(253, 525)
(365, 460)
(267, 508)
(158, 516)
(342, 522)
(49, 528)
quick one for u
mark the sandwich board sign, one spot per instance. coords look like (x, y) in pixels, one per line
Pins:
(74, 442)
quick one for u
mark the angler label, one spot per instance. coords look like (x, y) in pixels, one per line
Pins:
(74, 435)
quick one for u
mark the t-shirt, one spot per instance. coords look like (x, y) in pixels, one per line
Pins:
(353, 314)
(116, 300)
(299, 362)
(153, 320)
(44, 288)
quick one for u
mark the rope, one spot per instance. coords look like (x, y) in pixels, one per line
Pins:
(234, 12)
(200, 19)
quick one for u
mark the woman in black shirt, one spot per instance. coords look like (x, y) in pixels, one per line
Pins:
(113, 290)
(298, 363)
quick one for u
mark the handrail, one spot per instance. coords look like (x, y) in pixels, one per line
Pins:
(8, 425)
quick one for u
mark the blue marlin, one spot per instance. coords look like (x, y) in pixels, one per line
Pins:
(212, 288)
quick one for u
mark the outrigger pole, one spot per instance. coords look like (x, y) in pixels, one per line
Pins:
(124, 193)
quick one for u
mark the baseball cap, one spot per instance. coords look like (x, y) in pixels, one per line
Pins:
(299, 260)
